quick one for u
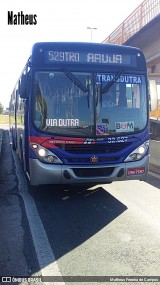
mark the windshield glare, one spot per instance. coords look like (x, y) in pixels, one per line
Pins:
(86, 105)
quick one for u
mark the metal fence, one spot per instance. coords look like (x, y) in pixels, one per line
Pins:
(144, 13)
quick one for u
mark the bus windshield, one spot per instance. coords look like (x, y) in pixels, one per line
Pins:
(89, 104)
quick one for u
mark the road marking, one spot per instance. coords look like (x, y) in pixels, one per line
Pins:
(45, 256)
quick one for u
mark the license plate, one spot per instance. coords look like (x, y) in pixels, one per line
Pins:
(135, 171)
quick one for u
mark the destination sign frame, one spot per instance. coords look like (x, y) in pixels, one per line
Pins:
(85, 57)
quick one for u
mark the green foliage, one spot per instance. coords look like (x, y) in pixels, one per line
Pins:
(1, 108)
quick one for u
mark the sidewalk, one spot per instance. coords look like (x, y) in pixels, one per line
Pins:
(16, 251)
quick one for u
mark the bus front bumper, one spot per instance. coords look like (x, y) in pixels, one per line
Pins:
(41, 173)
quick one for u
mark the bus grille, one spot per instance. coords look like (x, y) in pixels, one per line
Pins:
(87, 160)
(93, 148)
(92, 172)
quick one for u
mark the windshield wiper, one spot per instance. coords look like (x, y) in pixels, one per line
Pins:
(78, 83)
(115, 78)
(75, 80)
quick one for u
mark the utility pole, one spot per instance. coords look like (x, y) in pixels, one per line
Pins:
(90, 28)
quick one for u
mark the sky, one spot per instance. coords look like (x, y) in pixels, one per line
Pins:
(57, 20)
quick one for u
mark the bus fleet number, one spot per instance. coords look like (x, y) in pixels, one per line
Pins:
(117, 140)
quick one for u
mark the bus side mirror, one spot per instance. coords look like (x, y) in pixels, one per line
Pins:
(23, 87)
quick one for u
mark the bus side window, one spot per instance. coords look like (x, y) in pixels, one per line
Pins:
(41, 111)
(37, 119)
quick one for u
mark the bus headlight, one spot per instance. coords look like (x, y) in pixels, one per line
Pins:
(138, 153)
(44, 154)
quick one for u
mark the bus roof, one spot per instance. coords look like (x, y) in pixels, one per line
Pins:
(86, 45)
(83, 53)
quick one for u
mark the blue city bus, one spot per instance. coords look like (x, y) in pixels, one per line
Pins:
(79, 114)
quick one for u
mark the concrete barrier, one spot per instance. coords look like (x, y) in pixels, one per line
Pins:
(154, 129)
(155, 152)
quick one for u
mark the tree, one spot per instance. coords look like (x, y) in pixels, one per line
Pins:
(1, 108)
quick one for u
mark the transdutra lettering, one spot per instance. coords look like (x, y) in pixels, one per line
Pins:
(62, 122)
(104, 58)
(122, 79)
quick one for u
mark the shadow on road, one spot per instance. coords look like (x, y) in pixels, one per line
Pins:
(71, 216)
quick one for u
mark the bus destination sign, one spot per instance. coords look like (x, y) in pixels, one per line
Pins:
(54, 56)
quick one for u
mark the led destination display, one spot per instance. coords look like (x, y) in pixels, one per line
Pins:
(54, 56)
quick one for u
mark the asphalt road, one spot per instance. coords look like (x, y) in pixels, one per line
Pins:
(89, 234)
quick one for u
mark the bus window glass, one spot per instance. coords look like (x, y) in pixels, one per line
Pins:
(122, 105)
(63, 103)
